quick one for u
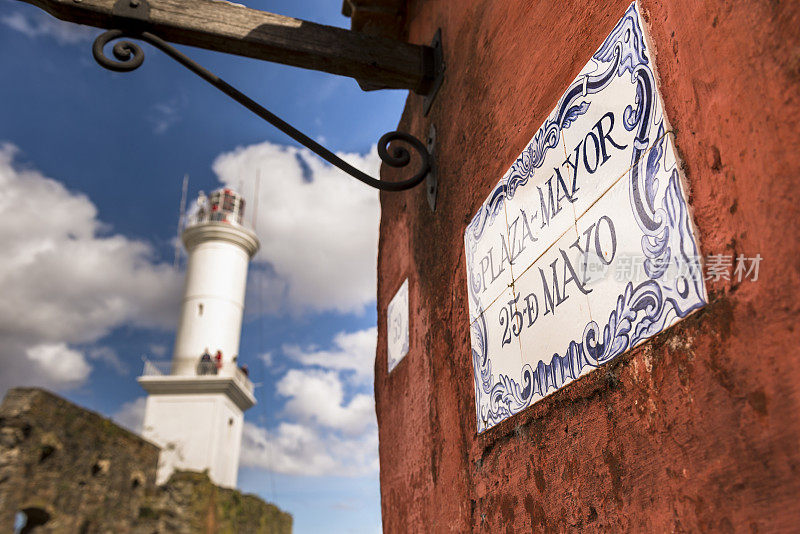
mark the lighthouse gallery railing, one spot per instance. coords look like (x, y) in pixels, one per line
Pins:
(164, 368)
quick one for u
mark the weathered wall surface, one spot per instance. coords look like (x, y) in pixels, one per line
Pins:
(71, 470)
(83, 471)
(695, 430)
(190, 503)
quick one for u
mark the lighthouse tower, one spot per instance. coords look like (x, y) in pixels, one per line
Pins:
(195, 403)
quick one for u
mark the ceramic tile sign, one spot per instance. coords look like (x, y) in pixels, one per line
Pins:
(397, 326)
(585, 247)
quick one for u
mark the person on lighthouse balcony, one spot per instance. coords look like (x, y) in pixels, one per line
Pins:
(207, 367)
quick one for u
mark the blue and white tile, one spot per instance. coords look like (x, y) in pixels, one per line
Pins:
(487, 259)
(622, 113)
(610, 239)
(643, 268)
(496, 359)
(555, 309)
(538, 206)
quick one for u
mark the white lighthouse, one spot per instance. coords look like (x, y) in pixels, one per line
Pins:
(196, 402)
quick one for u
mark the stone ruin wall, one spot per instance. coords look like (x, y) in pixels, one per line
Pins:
(70, 470)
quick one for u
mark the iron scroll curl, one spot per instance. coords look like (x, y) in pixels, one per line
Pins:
(129, 56)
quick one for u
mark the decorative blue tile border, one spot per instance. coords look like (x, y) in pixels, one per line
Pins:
(646, 307)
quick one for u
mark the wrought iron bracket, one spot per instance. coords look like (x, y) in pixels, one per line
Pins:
(133, 16)
(438, 69)
(432, 179)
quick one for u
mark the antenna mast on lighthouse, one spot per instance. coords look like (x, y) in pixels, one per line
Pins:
(181, 220)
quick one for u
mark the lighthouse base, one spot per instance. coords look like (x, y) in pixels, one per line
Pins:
(197, 421)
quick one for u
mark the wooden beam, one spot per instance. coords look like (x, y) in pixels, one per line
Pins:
(234, 29)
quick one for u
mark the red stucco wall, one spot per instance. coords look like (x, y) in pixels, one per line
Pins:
(698, 429)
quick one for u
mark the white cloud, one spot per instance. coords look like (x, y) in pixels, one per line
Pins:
(318, 398)
(164, 115)
(353, 352)
(58, 364)
(131, 415)
(42, 24)
(333, 430)
(266, 359)
(294, 449)
(65, 284)
(318, 227)
(109, 357)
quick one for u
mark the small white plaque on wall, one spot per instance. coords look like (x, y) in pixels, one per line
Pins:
(397, 326)
(585, 247)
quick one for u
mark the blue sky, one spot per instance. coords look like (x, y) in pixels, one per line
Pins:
(91, 164)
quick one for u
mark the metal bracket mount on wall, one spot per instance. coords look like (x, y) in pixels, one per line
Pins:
(438, 68)
(131, 14)
(432, 179)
